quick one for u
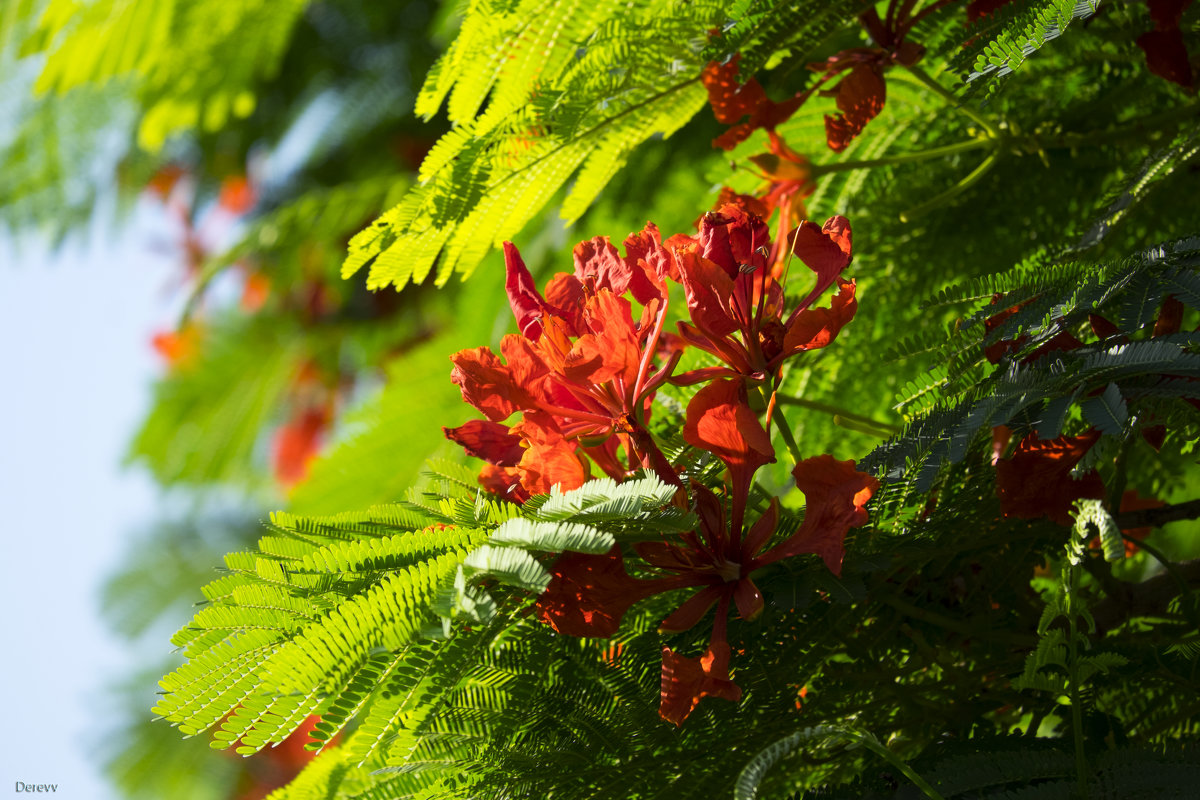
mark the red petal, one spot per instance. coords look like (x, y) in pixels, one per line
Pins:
(1155, 435)
(734, 136)
(237, 196)
(1167, 55)
(164, 180)
(826, 250)
(598, 265)
(860, 98)
(1132, 501)
(1167, 13)
(691, 610)
(544, 466)
(1170, 317)
(488, 440)
(748, 599)
(720, 420)
(729, 99)
(711, 512)
(297, 443)
(527, 304)
(709, 290)
(761, 532)
(1102, 327)
(835, 496)
(649, 262)
(504, 482)
(733, 238)
(748, 203)
(588, 594)
(527, 372)
(611, 347)
(686, 681)
(485, 382)
(567, 297)
(1037, 481)
(816, 327)
(984, 8)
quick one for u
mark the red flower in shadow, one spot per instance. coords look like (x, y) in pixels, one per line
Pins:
(588, 595)
(1036, 481)
(1166, 53)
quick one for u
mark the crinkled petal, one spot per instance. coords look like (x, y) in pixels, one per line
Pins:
(732, 238)
(527, 304)
(610, 349)
(860, 97)
(568, 297)
(544, 466)
(589, 594)
(485, 382)
(488, 440)
(686, 681)
(709, 290)
(598, 266)
(835, 498)
(650, 263)
(730, 100)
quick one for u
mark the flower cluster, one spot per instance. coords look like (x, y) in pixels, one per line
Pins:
(573, 391)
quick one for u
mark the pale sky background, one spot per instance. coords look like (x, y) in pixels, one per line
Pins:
(77, 367)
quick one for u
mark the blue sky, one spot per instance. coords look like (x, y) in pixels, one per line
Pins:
(75, 353)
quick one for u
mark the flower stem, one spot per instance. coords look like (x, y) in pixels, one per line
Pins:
(785, 430)
(953, 191)
(903, 158)
(895, 761)
(837, 412)
(928, 82)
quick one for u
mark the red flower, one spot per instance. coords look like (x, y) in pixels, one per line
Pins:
(789, 181)
(995, 352)
(860, 95)
(731, 101)
(1037, 480)
(163, 181)
(237, 195)
(255, 290)
(579, 372)
(489, 441)
(736, 306)
(1166, 53)
(835, 498)
(719, 419)
(178, 348)
(297, 443)
(978, 9)
(588, 595)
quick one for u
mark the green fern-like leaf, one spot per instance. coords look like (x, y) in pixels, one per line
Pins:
(1020, 35)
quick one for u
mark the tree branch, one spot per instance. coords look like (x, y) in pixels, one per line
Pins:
(1154, 517)
(1147, 598)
